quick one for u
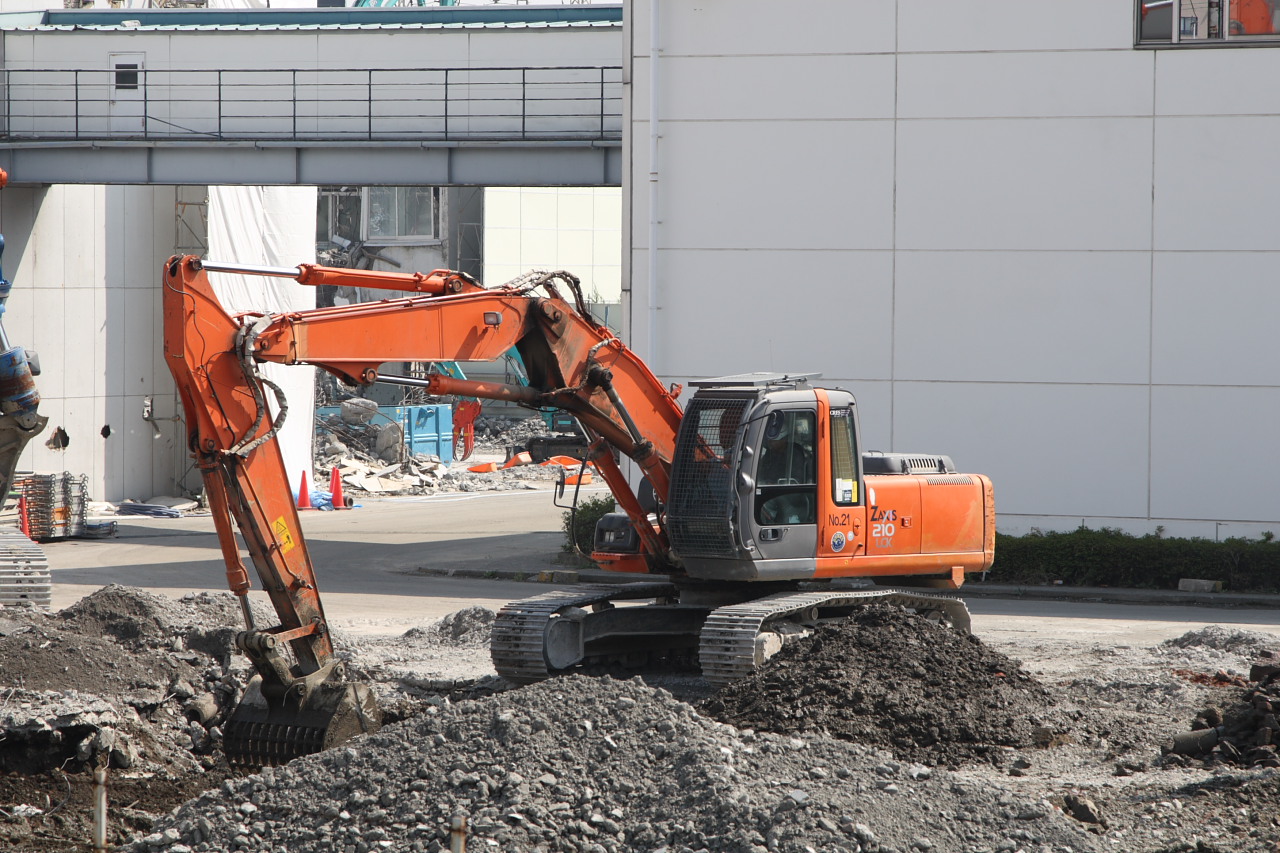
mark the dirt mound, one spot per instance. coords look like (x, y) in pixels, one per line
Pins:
(470, 626)
(204, 622)
(131, 615)
(893, 679)
(1223, 639)
(581, 764)
(104, 683)
(43, 658)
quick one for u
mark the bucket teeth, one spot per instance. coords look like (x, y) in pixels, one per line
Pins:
(260, 744)
(262, 733)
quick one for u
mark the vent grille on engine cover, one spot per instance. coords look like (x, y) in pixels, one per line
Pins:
(952, 480)
(701, 500)
(906, 463)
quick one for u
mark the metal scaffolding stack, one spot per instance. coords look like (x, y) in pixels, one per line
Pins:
(24, 572)
(55, 505)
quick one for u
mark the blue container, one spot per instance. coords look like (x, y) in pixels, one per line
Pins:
(427, 429)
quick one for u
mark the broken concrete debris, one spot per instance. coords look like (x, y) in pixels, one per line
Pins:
(140, 684)
(370, 456)
(594, 764)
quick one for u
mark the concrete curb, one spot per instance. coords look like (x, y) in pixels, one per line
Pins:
(1122, 596)
(569, 575)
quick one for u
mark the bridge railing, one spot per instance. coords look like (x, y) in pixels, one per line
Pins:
(367, 104)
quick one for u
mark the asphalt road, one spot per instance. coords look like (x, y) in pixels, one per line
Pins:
(376, 562)
(378, 569)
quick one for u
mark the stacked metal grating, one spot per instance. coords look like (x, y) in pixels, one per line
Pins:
(24, 572)
(55, 505)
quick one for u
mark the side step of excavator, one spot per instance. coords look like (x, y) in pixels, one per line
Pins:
(557, 632)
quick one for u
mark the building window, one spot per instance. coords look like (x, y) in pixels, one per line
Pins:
(338, 216)
(1207, 22)
(377, 215)
(126, 76)
(399, 214)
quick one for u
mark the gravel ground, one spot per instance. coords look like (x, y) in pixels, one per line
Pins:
(897, 736)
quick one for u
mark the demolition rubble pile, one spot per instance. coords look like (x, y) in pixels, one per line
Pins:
(500, 433)
(897, 680)
(579, 764)
(371, 456)
(846, 753)
(110, 682)
(1243, 729)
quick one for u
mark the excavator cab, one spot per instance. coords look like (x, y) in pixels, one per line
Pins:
(791, 496)
(746, 505)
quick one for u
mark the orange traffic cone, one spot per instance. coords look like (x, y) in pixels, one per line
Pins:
(304, 493)
(521, 458)
(335, 486)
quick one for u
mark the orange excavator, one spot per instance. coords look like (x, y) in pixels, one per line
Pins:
(756, 505)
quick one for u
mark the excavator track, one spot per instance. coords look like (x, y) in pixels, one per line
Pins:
(518, 645)
(727, 648)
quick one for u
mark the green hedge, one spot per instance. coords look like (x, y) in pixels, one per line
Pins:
(580, 526)
(1110, 557)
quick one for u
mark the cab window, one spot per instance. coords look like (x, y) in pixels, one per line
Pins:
(844, 458)
(786, 475)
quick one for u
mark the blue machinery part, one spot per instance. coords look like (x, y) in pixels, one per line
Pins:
(20, 420)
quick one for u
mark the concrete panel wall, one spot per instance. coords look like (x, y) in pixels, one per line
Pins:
(1020, 241)
(85, 264)
(555, 228)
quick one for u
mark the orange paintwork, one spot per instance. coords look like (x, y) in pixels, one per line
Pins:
(199, 347)
(902, 524)
(1252, 17)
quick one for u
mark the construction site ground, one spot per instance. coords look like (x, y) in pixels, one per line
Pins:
(900, 740)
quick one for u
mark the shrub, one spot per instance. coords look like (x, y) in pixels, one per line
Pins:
(580, 526)
(1109, 557)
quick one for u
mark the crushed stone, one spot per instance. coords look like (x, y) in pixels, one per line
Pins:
(1218, 638)
(471, 626)
(582, 764)
(598, 765)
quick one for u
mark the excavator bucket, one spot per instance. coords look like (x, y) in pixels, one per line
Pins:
(312, 714)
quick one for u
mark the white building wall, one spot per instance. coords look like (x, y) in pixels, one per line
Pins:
(282, 83)
(85, 262)
(578, 229)
(1017, 239)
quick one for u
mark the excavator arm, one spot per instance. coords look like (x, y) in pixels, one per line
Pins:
(572, 363)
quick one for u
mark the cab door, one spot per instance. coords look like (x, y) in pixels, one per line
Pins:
(784, 508)
(842, 531)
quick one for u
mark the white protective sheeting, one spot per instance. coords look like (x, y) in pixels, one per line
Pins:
(275, 227)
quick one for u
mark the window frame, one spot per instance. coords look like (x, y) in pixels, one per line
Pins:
(835, 416)
(366, 213)
(1176, 38)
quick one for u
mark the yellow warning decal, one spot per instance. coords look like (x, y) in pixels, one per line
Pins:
(283, 536)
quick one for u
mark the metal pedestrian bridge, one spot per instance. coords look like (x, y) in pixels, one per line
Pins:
(126, 121)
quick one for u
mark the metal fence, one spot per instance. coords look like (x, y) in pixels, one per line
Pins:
(369, 104)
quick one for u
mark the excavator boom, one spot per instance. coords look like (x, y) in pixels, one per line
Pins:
(572, 363)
